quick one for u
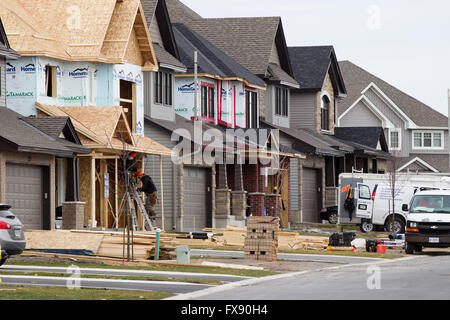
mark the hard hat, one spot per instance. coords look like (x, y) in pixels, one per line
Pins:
(133, 154)
(140, 173)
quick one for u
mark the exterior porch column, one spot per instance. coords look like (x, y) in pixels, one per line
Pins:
(222, 192)
(238, 195)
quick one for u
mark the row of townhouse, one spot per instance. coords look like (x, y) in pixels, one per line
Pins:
(121, 79)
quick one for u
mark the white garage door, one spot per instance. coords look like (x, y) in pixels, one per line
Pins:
(24, 194)
(196, 197)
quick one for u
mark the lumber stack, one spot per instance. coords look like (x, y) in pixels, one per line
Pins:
(262, 239)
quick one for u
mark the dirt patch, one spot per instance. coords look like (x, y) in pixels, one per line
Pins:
(277, 266)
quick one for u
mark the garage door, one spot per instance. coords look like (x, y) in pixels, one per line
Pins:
(24, 193)
(197, 213)
(310, 195)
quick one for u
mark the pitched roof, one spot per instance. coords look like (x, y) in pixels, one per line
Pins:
(211, 60)
(247, 40)
(279, 75)
(156, 12)
(306, 141)
(165, 59)
(17, 135)
(5, 48)
(368, 136)
(105, 128)
(357, 79)
(104, 33)
(310, 66)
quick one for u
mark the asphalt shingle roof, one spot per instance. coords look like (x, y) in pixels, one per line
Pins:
(165, 57)
(27, 137)
(211, 60)
(357, 79)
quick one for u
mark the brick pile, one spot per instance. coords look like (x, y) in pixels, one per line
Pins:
(262, 238)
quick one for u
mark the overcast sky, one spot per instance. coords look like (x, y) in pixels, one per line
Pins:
(404, 42)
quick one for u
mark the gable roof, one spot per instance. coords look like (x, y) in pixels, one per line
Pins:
(156, 12)
(366, 136)
(310, 66)
(211, 60)
(16, 134)
(357, 79)
(247, 40)
(5, 48)
(103, 33)
(105, 128)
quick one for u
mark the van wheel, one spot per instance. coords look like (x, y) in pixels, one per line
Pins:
(366, 226)
(333, 217)
(409, 248)
(396, 226)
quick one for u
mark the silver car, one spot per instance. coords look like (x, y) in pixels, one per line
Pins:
(12, 238)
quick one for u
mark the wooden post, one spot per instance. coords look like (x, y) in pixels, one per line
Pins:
(92, 191)
(162, 193)
(141, 216)
(103, 203)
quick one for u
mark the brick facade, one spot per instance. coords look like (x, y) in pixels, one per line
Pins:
(73, 215)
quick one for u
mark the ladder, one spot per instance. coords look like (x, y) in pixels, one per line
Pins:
(147, 222)
(133, 212)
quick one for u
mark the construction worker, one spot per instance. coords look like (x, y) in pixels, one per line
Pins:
(151, 196)
(131, 162)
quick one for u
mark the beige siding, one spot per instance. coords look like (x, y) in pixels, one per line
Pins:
(302, 110)
(360, 116)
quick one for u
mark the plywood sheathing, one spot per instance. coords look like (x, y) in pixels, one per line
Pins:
(86, 187)
(63, 239)
(76, 30)
(91, 122)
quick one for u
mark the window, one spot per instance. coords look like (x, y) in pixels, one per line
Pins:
(325, 114)
(212, 105)
(281, 102)
(394, 139)
(428, 140)
(252, 109)
(50, 81)
(163, 88)
(364, 192)
(128, 101)
(204, 101)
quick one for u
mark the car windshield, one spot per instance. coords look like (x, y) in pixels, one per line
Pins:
(430, 204)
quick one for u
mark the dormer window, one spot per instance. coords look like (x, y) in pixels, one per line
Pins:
(325, 114)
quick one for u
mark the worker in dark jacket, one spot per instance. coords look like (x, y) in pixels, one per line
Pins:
(151, 196)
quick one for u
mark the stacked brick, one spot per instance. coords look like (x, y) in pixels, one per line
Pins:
(262, 238)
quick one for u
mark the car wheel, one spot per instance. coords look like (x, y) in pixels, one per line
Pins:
(396, 226)
(409, 248)
(366, 226)
(333, 218)
(419, 248)
(2, 261)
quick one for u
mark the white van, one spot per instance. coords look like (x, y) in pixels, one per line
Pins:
(428, 222)
(371, 195)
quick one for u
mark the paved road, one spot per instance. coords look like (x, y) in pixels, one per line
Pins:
(125, 272)
(287, 256)
(424, 276)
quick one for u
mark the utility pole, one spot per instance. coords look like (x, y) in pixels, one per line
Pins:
(196, 84)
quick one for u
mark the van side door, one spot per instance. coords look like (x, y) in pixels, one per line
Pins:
(364, 205)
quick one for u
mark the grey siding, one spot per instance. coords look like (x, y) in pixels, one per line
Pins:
(293, 184)
(409, 144)
(2, 82)
(360, 116)
(169, 176)
(384, 108)
(302, 110)
(155, 110)
(270, 109)
(155, 33)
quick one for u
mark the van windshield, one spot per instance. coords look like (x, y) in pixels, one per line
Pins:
(431, 204)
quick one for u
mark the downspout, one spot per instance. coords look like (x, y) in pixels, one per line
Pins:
(174, 198)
